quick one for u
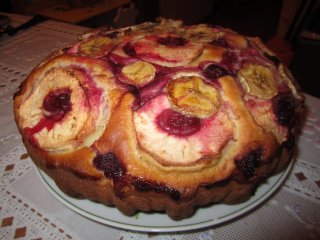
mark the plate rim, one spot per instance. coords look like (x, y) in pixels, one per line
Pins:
(247, 207)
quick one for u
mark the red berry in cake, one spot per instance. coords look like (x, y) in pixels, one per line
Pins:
(274, 59)
(248, 164)
(289, 144)
(220, 42)
(113, 34)
(214, 71)
(171, 41)
(129, 49)
(110, 164)
(57, 103)
(178, 124)
(284, 108)
(143, 185)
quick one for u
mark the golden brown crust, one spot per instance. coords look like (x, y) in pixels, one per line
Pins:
(109, 159)
(229, 191)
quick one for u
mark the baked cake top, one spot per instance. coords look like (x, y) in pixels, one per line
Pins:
(163, 101)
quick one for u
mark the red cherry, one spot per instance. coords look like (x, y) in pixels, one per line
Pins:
(57, 103)
(172, 41)
(178, 124)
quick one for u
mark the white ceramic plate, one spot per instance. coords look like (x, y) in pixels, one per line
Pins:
(158, 222)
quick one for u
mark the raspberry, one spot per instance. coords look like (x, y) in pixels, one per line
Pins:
(113, 34)
(284, 108)
(143, 185)
(248, 164)
(172, 41)
(178, 124)
(289, 144)
(110, 164)
(276, 61)
(220, 42)
(214, 71)
(129, 49)
(57, 103)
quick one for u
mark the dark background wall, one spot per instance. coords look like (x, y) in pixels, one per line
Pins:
(250, 17)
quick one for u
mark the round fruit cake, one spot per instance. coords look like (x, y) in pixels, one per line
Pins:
(160, 116)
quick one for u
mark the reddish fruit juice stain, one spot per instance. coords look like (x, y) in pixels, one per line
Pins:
(178, 124)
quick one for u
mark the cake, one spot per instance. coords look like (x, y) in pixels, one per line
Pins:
(160, 117)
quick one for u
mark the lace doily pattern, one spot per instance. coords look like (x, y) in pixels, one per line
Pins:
(22, 217)
(18, 216)
(305, 181)
(16, 61)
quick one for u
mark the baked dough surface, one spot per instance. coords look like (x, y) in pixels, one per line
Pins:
(160, 116)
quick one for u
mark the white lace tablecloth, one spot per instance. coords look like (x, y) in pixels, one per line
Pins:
(29, 211)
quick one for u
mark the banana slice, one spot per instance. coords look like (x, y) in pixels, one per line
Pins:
(190, 95)
(138, 73)
(236, 40)
(201, 32)
(96, 47)
(258, 81)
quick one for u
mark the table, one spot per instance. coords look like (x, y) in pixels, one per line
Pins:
(29, 211)
(80, 14)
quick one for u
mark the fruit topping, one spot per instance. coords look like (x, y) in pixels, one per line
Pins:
(229, 40)
(172, 41)
(220, 42)
(113, 34)
(248, 164)
(173, 138)
(192, 96)
(276, 61)
(110, 165)
(129, 49)
(138, 73)
(96, 47)
(214, 71)
(167, 50)
(56, 104)
(258, 81)
(143, 185)
(201, 32)
(178, 124)
(290, 143)
(235, 40)
(284, 108)
(232, 61)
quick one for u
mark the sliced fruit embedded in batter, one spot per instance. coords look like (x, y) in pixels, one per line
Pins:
(284, 105)
(177, 124)
(96, 47)
(124, 52)
(228, 39)
(258, 81)
(173, 138)
(235, 40)
(201, 32)
(190, 95)
(263, 113)
(69, 103)
(57, 103)
(167, 50)
(138, 73)
(213, 71)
